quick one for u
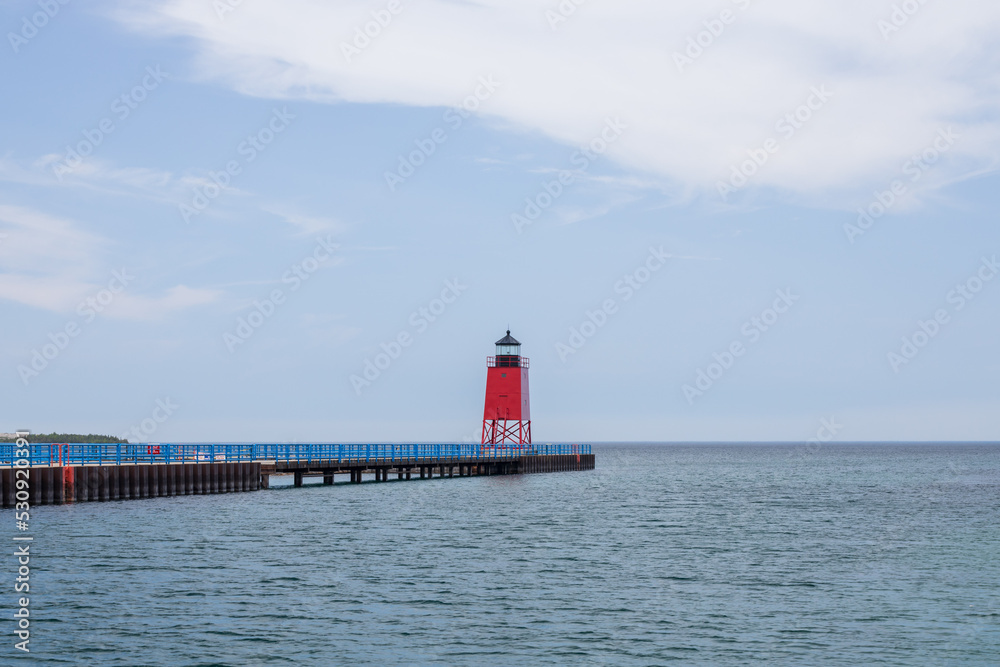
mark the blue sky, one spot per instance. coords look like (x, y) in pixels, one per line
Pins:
(525, 169)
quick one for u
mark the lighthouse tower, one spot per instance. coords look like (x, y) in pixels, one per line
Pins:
(507, 417)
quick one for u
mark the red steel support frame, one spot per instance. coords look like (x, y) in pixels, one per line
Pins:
(503, 431)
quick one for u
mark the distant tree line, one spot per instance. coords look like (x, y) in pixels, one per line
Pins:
(69, 437)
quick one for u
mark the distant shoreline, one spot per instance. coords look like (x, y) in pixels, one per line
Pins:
(64, 437)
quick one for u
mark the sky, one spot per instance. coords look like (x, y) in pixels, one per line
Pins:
(305, 221)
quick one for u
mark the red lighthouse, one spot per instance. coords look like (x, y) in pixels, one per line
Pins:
(507, 417)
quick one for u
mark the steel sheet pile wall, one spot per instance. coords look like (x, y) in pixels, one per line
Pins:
(556, 463)
(55, 485)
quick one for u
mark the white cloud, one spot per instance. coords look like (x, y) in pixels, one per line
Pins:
(143, 307)
(569, 215)
(50, 263)
(46, 259)
(890, 96)
(102, 176)
(105, 178)
(305, 225)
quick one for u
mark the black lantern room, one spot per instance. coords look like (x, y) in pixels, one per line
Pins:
(508, 351)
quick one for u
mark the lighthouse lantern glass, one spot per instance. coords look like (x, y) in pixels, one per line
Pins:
(508, 350)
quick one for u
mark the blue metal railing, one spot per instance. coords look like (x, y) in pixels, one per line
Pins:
(130, 454)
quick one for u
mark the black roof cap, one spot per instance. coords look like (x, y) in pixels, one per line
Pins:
(508, 340)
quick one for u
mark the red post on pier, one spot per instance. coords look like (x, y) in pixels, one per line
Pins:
(507, 415)
(69, 483)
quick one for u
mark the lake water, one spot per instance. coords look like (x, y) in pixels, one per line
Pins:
(702, 554)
